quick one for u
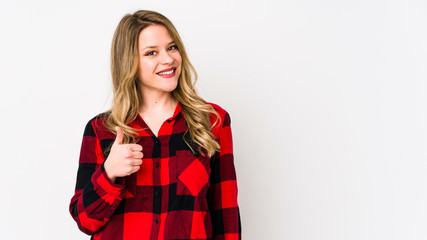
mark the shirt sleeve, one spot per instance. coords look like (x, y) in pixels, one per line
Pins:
(222, 198)
(96, 197)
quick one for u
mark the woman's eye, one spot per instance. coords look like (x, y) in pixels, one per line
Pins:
(149, 53)
(174, 47)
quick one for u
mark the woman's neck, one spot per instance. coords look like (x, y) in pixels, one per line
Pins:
(157, 102)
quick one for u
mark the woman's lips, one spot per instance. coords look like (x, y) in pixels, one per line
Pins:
(167, 73)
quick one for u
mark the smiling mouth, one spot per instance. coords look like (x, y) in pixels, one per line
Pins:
(167, 72)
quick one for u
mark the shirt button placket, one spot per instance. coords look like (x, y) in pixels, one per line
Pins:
(157, 191)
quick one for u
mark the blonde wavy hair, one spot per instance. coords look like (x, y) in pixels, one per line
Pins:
(127, 98)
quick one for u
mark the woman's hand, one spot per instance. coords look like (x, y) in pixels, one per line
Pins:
(124, 159)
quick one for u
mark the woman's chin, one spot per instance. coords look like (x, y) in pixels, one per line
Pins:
(170, 88)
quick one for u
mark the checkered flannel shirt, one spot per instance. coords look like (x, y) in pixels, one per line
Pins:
(175, 195)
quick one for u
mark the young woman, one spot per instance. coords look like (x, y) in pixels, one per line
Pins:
(159, 163)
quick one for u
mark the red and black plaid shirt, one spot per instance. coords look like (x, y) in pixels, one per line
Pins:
(175, 195)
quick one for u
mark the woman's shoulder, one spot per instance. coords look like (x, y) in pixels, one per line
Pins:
(100, 117)
(224, 120)
(223, 114)
(97, 124)
(221, 111)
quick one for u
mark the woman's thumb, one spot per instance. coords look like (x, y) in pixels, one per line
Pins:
(119, 136)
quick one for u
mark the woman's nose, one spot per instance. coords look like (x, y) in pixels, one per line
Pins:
(166, 58)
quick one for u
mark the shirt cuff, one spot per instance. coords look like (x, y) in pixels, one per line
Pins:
(102, 181)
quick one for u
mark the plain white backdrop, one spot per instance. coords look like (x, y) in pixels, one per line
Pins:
(327, 101)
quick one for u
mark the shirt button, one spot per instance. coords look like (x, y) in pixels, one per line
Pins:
(156, 141)
(156, 164)
(156, 221)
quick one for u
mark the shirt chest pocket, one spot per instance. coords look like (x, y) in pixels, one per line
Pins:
(192, 173)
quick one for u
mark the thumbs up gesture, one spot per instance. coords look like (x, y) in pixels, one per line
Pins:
(124, 159)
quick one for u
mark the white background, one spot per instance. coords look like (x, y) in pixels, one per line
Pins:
(327, 101)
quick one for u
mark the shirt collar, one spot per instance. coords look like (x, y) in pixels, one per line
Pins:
(138, 120)
(178, 110)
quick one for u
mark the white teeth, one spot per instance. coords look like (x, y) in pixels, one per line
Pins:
(168, 72)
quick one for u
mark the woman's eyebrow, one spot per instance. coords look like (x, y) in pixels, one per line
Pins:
(156, 46)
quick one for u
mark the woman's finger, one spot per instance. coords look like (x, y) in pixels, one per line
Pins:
(136, 162)
(135, 169)
(135, 147)
(137, 155)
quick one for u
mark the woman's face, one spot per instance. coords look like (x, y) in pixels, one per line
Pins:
(159, 60)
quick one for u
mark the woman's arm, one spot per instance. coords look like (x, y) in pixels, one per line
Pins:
(222, 200)
(96, 197)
